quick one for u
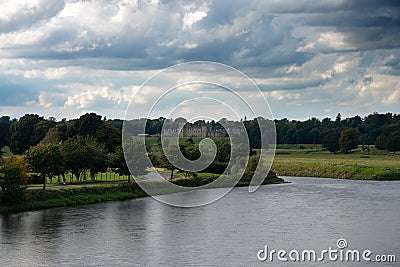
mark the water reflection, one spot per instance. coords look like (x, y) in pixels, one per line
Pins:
(306, 214)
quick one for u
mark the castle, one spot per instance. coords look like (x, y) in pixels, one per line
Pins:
(203, 131)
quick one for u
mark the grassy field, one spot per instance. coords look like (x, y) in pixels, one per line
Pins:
(313, 161)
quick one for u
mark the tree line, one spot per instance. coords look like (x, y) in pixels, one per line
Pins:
(382, 130)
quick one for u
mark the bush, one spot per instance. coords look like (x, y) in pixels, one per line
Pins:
(12, 180)
(216, 167)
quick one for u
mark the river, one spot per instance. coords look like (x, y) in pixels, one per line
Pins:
(307, 214)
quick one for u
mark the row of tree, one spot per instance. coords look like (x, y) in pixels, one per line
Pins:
(31, 129)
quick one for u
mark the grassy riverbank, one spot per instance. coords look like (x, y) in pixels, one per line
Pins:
(84, 195)
(313, 161)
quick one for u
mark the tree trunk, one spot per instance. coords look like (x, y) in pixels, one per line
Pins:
(44, 182)
(172, 174)
(129, 178)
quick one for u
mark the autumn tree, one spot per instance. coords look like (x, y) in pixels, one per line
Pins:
(13, 178)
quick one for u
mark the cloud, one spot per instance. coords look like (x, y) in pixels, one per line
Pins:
(88, 54)
(191, 18)
(17, 15)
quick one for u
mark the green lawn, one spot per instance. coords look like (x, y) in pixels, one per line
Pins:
(102, 177)
(313, 161)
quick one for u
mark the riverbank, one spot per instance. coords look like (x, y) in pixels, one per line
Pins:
(313, 161)
(84, 195)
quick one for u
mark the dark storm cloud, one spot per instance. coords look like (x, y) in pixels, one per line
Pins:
(236, 33)
(304, 50)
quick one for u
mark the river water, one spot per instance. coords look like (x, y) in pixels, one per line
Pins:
(307, 214)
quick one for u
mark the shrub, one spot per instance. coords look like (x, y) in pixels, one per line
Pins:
(13, 178)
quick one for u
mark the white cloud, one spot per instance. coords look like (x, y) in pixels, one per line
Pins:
(191, 18)
(335, 40)
(90, 54)
(190, 45)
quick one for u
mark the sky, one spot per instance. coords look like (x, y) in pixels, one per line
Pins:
(309, 58)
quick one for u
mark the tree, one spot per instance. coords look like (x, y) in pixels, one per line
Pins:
(393, 141)
(331, 142)
(117, 160)
(223, 151)
(136, 159)
(348, 140)
(52, 137)
(172, 151)
(89, 124)
(13, 178)
(83, 153)
(4, 131)
(109, 136)
(389, 138)
(40, 130)
(46, 160)
(22, 133)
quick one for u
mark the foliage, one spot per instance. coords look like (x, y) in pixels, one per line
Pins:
(89, 124)
(52, 137)
(331, 142)
(390, 138)
(82, 153)
(12, 180)
(46, 160)
(24, 133)
(348, 140)
(109, 136)
(136, 157)
(4, 131)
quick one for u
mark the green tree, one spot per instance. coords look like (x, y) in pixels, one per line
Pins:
(40, 130)
(389, 138)
(109, 136)
(117, 160)
(23, 134)
(223, 151)
(46, 160)
(52, 137)
(171, 151)
(393, 141)
(4, 131)
(348, 140)
(83, 153)
(89, 124)
(331, 142)
(136, 158)
(13, 178)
